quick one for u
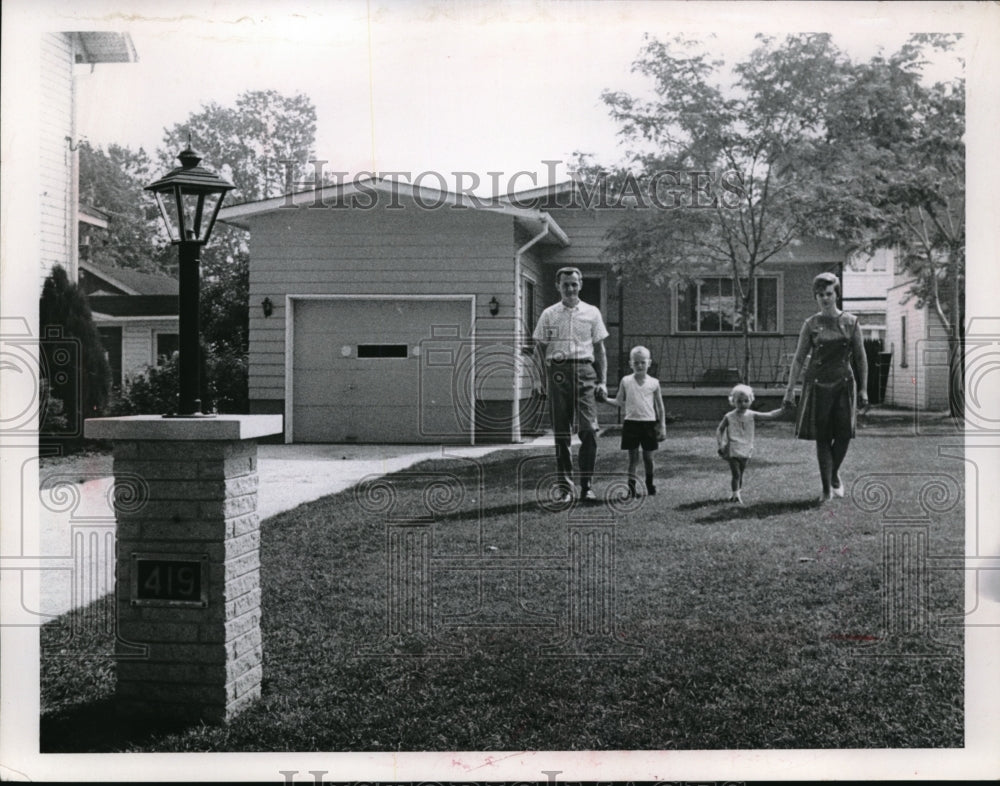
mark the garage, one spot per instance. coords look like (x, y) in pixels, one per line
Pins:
(390, 368)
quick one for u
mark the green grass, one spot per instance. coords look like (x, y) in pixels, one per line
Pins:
(734, 627)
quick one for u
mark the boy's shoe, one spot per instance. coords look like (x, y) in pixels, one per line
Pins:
(650, 489)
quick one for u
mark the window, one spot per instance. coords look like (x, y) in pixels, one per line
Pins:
(528, 306)
(709, 305)
(111, 339)
(902, 342)
(382, 350)
(166, 345)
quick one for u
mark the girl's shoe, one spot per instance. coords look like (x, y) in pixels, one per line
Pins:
(737, 498)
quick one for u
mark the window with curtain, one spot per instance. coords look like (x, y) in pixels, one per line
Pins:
(709, 305)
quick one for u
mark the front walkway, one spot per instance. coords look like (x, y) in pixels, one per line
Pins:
(77, 522)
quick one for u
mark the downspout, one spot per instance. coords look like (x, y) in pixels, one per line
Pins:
(515, 422)
(73, 234)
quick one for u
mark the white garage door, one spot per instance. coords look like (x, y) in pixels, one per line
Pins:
(385, 370)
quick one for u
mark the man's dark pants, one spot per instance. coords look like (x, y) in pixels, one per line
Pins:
(571, 392)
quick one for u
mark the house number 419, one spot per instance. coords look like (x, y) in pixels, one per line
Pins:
(168, 582)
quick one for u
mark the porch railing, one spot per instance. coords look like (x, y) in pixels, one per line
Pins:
(698, 360)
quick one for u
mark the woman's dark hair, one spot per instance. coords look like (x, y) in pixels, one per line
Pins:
(823, 280)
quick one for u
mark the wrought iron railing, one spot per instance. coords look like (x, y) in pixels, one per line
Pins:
(713, 359)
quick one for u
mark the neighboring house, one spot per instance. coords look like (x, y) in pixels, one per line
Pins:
(404, 316)
(867, 280)
(918, 341)
(136, 314)
(58, 141)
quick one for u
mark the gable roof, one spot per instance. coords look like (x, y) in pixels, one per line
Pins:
(132, 282)
(364, 188)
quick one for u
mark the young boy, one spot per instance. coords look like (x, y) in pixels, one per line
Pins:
(645, 420)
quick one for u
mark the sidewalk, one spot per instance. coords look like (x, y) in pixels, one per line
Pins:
(77, 522)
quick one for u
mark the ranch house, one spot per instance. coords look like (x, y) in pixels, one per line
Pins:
(380, 312)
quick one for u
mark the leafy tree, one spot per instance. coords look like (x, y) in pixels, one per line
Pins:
(155, 390)
(75, 375)
(901, 184)
(724, 161)
(113, 181)
(248, 144)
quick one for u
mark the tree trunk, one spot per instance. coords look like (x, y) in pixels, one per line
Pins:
(956, 377)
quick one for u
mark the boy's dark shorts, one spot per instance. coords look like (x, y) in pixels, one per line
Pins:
(639, 432)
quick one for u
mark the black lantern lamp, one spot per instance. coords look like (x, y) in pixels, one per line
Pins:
(494, 305)
(189, 198)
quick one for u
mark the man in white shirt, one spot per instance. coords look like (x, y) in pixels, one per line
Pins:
(570, 338)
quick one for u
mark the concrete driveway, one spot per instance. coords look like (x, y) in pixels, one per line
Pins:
(76, 538)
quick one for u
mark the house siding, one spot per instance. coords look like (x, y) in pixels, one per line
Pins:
(377, 251)
(645, 315)
(139, 341)
(919, 376)
(56, 165)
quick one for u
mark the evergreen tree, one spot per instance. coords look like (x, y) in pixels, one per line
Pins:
(74, 366)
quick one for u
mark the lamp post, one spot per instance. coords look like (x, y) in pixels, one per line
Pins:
(189, 198)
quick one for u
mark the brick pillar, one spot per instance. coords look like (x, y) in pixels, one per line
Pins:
(187, 564)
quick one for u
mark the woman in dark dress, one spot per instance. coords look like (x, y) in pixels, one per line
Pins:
(827, 411)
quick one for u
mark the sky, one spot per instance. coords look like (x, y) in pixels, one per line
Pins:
(425, 86)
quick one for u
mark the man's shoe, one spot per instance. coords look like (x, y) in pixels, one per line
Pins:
(650, 489)
(588, 495)
(838, 490)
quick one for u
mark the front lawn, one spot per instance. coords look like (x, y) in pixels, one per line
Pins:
(678, 621)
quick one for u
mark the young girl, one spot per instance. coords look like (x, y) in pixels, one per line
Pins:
(645, 420)
(735, 434)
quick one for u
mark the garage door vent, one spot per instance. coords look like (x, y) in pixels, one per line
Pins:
(382, 350)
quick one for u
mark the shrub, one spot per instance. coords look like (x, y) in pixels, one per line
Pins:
(155, 392)
(75, 378)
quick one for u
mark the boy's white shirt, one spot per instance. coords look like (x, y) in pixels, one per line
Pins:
(641, 405)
